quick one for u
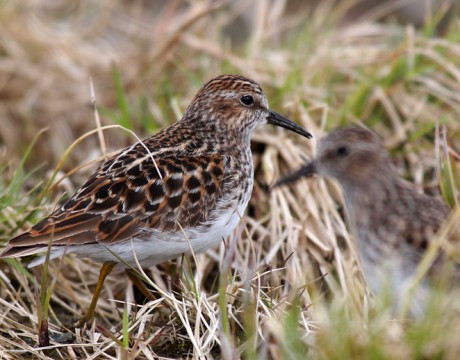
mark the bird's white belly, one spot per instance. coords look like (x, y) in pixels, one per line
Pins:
(160, 247)
(390, 280)
(155, 246)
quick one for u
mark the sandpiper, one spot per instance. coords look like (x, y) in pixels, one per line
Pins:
(184, 189)
(392, 222)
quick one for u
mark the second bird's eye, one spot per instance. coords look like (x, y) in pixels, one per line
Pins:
(247, 100)
(342, 150)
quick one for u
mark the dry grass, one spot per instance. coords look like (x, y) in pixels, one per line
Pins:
(286, 285)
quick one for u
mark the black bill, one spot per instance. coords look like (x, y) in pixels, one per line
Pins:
(305, 171)
(279, 120)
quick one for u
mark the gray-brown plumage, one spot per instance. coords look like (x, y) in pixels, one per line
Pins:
(184, 188)
(393, 223)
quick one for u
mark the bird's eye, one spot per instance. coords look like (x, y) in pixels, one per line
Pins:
(342, 151)
(247, 100)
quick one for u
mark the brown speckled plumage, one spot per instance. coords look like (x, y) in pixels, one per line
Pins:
(183, 178)
(181, 190)
(393, 223)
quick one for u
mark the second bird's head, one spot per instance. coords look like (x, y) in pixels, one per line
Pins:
(355, 156)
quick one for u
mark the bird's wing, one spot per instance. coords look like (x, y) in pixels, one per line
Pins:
(127, 195)
(424, 218)
(428, 221)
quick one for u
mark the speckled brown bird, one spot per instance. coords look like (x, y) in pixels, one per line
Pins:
(393, 223)
(184, 188)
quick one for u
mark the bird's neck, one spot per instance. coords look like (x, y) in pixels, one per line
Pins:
(371, 198)
(189, 138)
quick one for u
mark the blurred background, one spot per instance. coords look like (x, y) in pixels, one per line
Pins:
(147, 58)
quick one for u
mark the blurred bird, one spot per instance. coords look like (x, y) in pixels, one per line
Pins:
(393, 223)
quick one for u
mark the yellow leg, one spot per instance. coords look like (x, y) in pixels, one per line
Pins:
(133, 276)
(106, 269)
